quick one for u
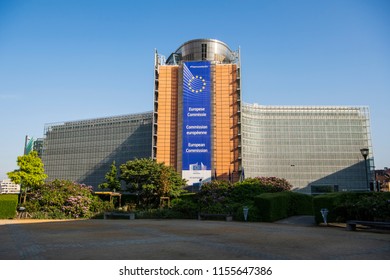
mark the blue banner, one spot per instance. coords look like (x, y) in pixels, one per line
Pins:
(196, 160)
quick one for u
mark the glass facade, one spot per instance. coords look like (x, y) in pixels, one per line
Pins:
(317, 149)
(83, 151)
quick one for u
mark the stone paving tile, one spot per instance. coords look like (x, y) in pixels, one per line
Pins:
(185, 239)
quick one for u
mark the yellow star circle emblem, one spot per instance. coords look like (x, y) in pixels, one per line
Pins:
(197, 84)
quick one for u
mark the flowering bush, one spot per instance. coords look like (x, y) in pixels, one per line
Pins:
(343, 206)
(268, 184)
(213, 197)
(223, 197)
(76, 206)
(65, 199)
(365, 206)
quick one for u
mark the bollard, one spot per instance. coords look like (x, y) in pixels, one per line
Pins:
(324, 213)
(245, 210)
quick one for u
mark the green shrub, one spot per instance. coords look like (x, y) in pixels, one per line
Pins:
(373, 207)
(221, 197)
(214, 197)
(300, 204)
(164, 213)
(326, 201)
(353, 206)
(253, 211)
(265, 184)
(185, 207)
(272, 206)
(131, 199)
(247, 190)
(276, 206)
(8, 204)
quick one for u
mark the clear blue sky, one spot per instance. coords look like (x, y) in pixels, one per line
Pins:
(68, 59)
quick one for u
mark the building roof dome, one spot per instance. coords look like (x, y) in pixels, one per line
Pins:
(203, 49)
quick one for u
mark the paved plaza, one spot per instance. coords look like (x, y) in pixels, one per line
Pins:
(186, 240)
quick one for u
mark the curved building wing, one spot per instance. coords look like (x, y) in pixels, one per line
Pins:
(315, 148)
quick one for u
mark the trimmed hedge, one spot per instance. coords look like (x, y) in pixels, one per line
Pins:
(185, 206)
(8, 204)
(272, 206)
(276, 206)
(328, 201)
(301, 204)
(345, 206)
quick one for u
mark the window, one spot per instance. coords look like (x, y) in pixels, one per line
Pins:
(204, 51)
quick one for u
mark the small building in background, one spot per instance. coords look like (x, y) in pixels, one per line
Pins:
(8, 187)
(382, 178)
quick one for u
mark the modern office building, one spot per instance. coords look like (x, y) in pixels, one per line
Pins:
(197, 101)
(83, 151)
(316, 149)
(31, 144)
(38, 146)
(200, 126)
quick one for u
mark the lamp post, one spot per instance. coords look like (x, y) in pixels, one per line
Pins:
(365, 152)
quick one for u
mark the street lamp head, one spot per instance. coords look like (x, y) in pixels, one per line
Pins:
(364, 152)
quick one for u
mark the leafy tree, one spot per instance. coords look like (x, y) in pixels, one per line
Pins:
(151, 180)
(30, 174)
(112, 182)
